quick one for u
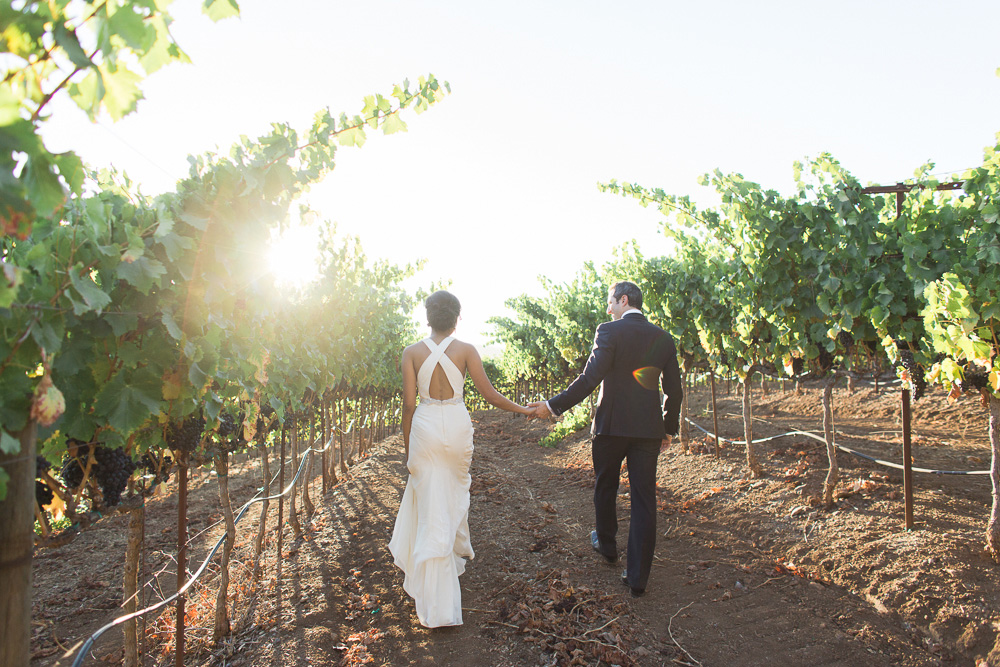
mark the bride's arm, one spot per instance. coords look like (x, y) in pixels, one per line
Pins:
(474, 363)
(409, 400)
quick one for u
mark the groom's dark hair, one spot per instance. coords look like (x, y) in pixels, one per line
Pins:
(631, 290)
(443, 310)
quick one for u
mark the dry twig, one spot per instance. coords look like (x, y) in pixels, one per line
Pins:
(674, 640)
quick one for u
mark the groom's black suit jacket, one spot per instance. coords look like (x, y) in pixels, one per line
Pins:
(628, 358)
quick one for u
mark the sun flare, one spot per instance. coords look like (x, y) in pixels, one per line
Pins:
(293, 257)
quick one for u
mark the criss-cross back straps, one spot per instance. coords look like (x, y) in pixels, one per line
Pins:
(437, 356)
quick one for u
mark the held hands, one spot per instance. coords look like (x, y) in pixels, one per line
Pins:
(539, 411)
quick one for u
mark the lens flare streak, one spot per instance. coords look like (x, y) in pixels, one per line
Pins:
(647, 377)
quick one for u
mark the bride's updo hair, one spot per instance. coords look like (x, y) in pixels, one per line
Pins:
(442, 310)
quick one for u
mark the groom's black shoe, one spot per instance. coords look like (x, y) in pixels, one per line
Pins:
(594, 542)
(636, 592)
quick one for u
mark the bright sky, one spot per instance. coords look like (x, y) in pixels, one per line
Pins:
(497, 184)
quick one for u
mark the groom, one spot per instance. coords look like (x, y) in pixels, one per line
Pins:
(628, 358)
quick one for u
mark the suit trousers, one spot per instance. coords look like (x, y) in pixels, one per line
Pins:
(641, 454)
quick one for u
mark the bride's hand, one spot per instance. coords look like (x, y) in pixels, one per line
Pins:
(540, 411)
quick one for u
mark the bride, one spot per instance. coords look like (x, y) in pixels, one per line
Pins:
(430, 541)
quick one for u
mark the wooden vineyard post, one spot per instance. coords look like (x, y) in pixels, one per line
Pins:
(131, 583)
(341, 417)
(323, 438)
(293, 514)
(993, 525)
(752, 462)
(364, 408)
(307, 502)
(715, 416)
(262, 528)
(331, 424)
(143, 596)
(281, 520)
(356, 429)
(685, 437)
(362, 419)
(182, 488)
(222, 625)
(833, 473)
(907, 462)
(371, 422)
(16, 544)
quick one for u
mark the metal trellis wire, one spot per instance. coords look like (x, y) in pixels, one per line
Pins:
(183, 589)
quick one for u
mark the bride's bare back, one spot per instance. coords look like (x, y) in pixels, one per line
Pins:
(466, 358)
(439, 388)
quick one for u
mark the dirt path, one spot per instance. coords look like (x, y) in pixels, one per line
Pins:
(746, 572)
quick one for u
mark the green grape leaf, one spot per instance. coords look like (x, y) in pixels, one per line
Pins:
(163, 50)
(393, 124)
(44, 189)
(10, 108)
(71, 169)
(196, 376)
(121, 91)
(212, 406)
(172, 327)
(88, 93)
(93, 296)
(130, 354)
(10, 280)
(175, 244)
(48, 334)
(122, 323)
(4, 478)
(354, 136)
(8, 443)
(67, 39)
(129, 399)
(142, 273)
(220, 9)
(129, 26)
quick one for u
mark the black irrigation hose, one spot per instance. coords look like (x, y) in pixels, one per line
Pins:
(801, 376)
(855, 452)
(159, 605)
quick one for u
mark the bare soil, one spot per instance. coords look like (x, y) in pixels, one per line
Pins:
(747, 571)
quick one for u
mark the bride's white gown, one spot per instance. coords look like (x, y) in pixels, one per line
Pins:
(430, 541)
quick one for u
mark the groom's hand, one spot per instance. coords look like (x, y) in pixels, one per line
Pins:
(540, 410)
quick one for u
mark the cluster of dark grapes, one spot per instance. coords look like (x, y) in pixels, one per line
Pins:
(227, 425)
(150, 465)
(72, 473)
(231, 432)
(186, 437)
(797, 365)
(43, 494)
(112, 469)
(914, 370)
(845, 339)
(975, 378)
(825, 359)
